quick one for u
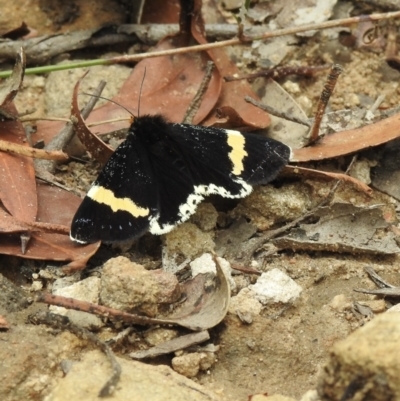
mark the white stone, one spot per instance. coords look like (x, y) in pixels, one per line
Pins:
(85, 290)
(276, 286)
(395, 308)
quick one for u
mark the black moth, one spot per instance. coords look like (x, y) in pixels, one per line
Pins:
(156, 178)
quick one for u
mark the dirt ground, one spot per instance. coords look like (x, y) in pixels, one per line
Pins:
(284, 349)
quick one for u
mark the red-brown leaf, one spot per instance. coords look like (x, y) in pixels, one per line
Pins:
(17, 183)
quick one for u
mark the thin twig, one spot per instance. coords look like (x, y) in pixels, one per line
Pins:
(369, 114)
(48, 227)
(63, 323)
(22, 150)
(378, 280)
(210, 46)
(27, 119)
(100, 310)
(173, 345)
(277, 113)
(329, 86)
(196, 101)
(35, 226)
(279, 72)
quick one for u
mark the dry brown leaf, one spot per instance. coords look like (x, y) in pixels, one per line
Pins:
(350, 141)
(17, 184)
(9, 224)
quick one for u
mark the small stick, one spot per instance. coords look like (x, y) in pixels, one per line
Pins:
(71, 303)
(276, 113)
(245, 270)
(22, 150)
(173, 345)
(47, 227)
(195, 103)
(279, 72)
(377, 103)
(378, 280)
(63, 323)
(27, 119)
(329, 86)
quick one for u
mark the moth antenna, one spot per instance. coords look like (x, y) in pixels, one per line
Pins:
(109, 100)
(140, 92)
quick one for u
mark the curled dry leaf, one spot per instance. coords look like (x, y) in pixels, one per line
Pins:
(10, 87)
(207, 301)
(99, 150)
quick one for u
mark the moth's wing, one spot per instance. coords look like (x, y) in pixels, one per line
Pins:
(193, 162)
(228, 162)
(266, 158)
(122, 200)
(175, 187)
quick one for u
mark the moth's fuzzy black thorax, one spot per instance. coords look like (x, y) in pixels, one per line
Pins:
(146, 123)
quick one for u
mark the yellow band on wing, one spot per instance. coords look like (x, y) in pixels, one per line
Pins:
(103, 195)
(236, 141)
